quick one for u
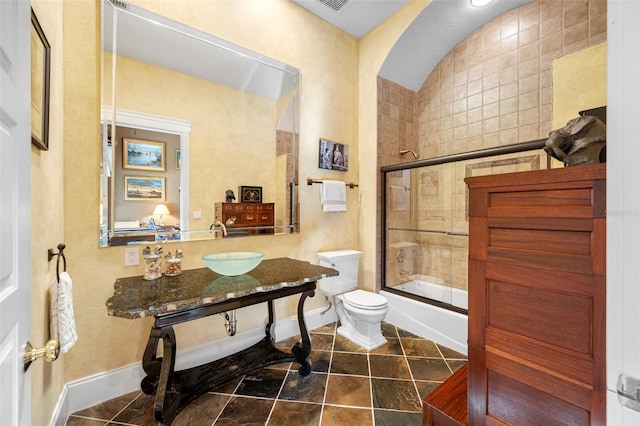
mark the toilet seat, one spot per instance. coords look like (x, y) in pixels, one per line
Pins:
(364, 300)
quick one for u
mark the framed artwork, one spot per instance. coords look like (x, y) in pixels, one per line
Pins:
(40, 84)
(333, 156)
(250, 194)
(178, 159)
(144, 188)
(143, 155)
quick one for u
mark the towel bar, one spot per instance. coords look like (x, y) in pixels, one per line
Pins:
(312, 181)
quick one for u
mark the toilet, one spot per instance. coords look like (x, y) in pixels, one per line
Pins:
(360, 312)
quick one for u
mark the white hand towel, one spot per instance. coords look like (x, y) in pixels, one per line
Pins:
(63, 324)
(333, 196)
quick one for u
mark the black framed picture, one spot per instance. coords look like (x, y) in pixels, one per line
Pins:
(250, 194)
(333, 156)
(40, 84)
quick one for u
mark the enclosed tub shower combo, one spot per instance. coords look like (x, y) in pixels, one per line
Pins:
(425, 236)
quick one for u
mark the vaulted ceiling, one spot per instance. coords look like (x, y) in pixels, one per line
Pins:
(440, 26)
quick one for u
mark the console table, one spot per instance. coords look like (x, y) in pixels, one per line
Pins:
(199, 293)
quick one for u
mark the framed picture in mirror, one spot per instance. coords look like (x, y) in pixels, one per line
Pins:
(144, 188)
(40, 84)
(250, 194)
(143, 155)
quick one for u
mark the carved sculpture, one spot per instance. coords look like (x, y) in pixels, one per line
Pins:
(581, 141)
(229, 196)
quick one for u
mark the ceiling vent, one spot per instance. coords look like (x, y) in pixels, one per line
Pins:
(334, 4)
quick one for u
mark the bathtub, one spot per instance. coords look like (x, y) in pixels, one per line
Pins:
(434, 288)
(445, 327)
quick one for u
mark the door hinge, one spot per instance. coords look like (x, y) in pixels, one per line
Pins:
(629, 392)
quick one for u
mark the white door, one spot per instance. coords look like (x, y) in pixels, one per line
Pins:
(15, 202)
(623, 210)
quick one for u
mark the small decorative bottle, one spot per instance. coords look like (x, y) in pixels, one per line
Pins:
(152, 263)
(174, 264)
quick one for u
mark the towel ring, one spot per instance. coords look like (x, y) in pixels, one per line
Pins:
(60, 254)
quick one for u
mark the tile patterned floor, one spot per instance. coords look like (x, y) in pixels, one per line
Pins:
(347, 386)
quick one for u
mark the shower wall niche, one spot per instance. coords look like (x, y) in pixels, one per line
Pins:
(425, 219)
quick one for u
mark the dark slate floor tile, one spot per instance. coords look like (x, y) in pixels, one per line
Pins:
(203, 411)
(397, 418)
(429, 369)
(341, 416)
(307, 389)
(245, 411)
(349, 363)
(295, 413)
(353, 391)
(389, 366)
(265, 383)
(108, 409)
(420, 347)
(395, 395)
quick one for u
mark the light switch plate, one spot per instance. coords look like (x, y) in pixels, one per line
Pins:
(197, 215)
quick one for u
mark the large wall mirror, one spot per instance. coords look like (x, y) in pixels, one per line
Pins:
(196, 130)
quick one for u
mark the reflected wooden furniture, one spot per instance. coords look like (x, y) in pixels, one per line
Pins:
(199, 293)
(246, 218)
(537, 295)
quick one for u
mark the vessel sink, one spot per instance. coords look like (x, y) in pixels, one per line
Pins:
(232, 263)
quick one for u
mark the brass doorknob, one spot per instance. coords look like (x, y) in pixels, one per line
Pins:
(50, 352)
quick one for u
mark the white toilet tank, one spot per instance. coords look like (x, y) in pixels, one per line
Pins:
(344, 261)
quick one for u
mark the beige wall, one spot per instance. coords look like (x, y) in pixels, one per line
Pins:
(47, 203)
(579, 83)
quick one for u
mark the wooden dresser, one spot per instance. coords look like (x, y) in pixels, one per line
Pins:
(246, 216)
(537, 295)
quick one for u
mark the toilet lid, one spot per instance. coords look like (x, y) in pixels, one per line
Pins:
(364, 299)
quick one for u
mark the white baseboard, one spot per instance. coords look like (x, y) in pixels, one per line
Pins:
(92, 390)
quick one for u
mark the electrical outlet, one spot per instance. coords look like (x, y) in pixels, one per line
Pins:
(131, 256)
(197, 215)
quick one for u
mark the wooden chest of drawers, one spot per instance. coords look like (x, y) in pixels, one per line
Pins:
(242, 218)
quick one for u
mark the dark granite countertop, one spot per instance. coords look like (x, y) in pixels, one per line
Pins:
(135, 297)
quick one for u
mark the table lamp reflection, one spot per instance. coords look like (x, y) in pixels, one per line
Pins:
(161, 209)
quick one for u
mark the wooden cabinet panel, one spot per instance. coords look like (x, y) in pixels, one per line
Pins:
(537, 297)
(513, 402)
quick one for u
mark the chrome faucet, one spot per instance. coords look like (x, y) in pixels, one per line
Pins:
(220, 224)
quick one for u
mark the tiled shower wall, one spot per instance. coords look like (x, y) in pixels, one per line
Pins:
(493, 89)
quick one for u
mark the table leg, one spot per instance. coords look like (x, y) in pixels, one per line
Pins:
(267, 329)
(160, 371)
(301, 350)
(151, 363)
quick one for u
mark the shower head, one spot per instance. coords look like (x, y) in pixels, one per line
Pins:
(406, 151)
